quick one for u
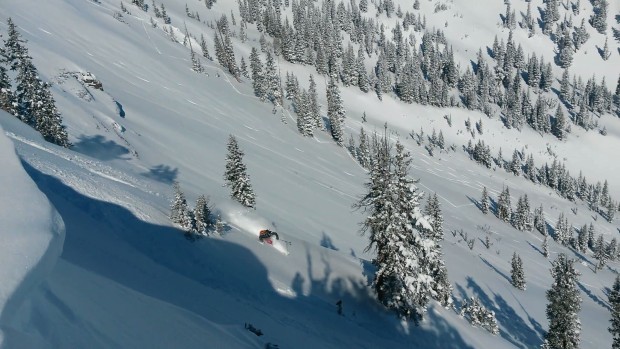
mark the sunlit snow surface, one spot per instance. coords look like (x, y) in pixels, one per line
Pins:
(128, 278)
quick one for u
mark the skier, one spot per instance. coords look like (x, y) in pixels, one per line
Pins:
(266, 234)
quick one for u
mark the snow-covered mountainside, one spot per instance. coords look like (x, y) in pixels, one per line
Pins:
(90, 257)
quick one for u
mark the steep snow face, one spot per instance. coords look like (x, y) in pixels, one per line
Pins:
(127, 278)
(32, 236)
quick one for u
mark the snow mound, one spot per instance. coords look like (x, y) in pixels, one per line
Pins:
(32, 235)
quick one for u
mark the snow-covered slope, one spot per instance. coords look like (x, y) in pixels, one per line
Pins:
(128, 278)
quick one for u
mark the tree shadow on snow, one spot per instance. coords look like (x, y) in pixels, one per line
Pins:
(225, 282)
(326, 242)
(475, 202)
(98, 147)
(535, 248)
(512, 327)
(506, 277)
(162, 173)
(593, 297)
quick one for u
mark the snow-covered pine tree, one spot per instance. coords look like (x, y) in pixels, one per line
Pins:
(305, 123)
(363, 6)
(291, 87)
(236, 175)
(545, 244)
(591, 233)
(27, 87)
(435, 217)
(35, 104)
(203, 216)
(484, 201)
(522, 217)
(7, 99)
(243, 67)
(478, 315)
(515, 163)
(315, 110)
(559, 125)
(14, 46)
(196, 65)
(617, 94)
(363, 150)
(516, 272)
(562, 232)
(612, 250)
(600, 253)
(614, 302)
(605, 53)
(582, 239)
(179, 212)
(272, 80)
(599, 18)
(611, 210)
(504, 209)
(565, 86)
(564, 305)
(335, 112)
(405, 259)
(258, 77)
(47, 118)
(204, 48)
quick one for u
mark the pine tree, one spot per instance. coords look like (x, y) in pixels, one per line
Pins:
(196, 65)
(606, 53)
(236, 175)
(600, 253)
(564, 305)
(363, 6)
(7, 99)
(515, 163)
(335, 112)
(614, 302)
(517, 274)
(258, 78)
(484, 201)
(315, 110)
(599, 18)
(48, 120)
(504, 210)
(272, 81)
(179, 212)
(565, 86)
(582, 239)
(591, 233)
(407, 262)
(203, 216)
(435, 217)
(545, 245)
(611, 210)
(562, 232)
(14, 46)
(204, 48)
(612, 250)
(244, 69)
(522, 218)
(558, 128)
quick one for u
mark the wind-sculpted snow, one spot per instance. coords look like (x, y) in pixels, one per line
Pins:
(31, 240)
